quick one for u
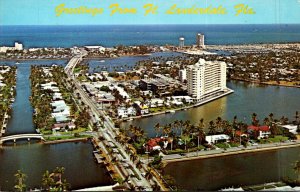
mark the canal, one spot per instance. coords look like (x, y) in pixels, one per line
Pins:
(234, 171)
(208, 174)
(33, 158)
(248, 98)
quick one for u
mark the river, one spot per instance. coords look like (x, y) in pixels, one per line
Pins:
(34, 158)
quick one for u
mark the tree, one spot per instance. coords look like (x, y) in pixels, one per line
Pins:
(157, 128)
(212, 128)
(254, 120)
(47, 180)
(20, 181)
(59, 171)
(297, 169)
(219, 124)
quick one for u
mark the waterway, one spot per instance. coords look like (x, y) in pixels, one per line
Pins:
(234, 171)
(34, 158)
(248, 98)
(207, 174)
(125, 63)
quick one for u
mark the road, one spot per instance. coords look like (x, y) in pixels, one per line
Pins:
(233, 150)
(109, 130)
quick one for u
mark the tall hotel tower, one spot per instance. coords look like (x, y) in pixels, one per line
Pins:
(206, 79)
(200, 40)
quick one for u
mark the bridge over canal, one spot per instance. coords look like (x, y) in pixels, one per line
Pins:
(14, 138)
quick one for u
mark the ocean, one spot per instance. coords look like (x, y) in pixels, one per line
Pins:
(112, 35)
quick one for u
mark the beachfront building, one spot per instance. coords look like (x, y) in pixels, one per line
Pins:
(206, 79)
(17, 47)
(200, 40)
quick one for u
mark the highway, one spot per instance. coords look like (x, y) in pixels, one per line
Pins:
(108, 132)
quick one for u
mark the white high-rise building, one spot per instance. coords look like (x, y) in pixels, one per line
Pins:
(18, 46)
(181, 42)
(206, 78)
(182, 75)
(200, 40)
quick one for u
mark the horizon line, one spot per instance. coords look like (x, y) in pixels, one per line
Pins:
(145, 24)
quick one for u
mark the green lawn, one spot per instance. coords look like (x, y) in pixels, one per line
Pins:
(222, 145)
(64, 137)
(278, 139)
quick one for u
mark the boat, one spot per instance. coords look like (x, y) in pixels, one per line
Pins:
(101, 61)
(170, 111)
(17, 63)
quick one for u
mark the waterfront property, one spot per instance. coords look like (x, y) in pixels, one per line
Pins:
(206, 78)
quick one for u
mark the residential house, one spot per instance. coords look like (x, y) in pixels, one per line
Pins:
(213, 139)
(259, 131)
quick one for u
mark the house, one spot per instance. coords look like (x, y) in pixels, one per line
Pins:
(141, 109)
(259, 132)
(61, 119)
(153, 144)
(124, 112)
(59, 126)
(156, 102)
(291, 128)
(213, 139)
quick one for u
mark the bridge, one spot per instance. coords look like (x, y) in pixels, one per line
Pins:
(21, 136)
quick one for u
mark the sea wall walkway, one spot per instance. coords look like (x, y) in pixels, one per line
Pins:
(230, 151)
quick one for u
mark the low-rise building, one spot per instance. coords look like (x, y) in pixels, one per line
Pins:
(141, 109)
(124, 112)
(213, 139)
(59, 126)
(259, 131)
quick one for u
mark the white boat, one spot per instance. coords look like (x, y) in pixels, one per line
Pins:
(17, 63)
(102, 61)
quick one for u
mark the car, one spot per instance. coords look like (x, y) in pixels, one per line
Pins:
(182, 154)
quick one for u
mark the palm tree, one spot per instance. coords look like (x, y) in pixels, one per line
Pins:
(297, 117)
(297, 169)
(219, 124)
(176, 125)
(254, 120)
(271, 115)
(167, 129)
(59, 171)
(266, 121)
(157, 128)
(47, 180)
(20, 179)
(148, 174)
(212, 128)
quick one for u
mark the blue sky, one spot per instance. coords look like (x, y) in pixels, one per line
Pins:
(42, 12)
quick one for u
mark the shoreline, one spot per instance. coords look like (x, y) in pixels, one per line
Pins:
(179, 109)
(230, 153)
(264, 83)
(66, 141)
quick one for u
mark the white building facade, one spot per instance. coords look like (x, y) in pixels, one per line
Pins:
(182, 75)
(206, 78)
(200, 40)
